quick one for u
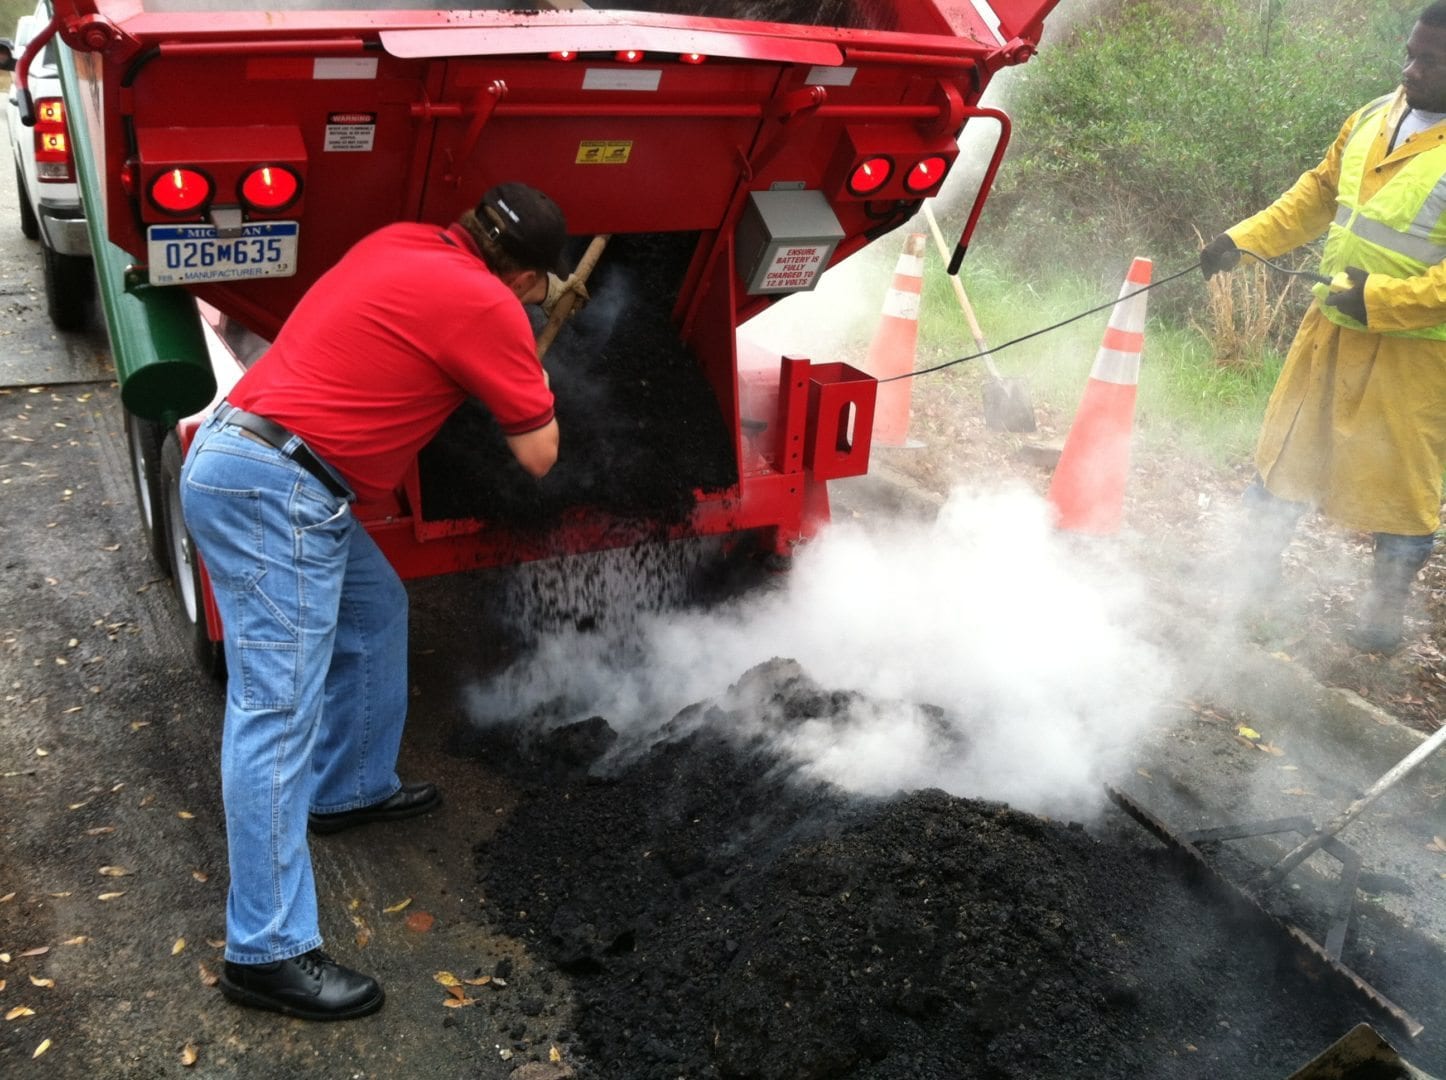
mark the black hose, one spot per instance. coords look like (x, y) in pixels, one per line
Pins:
(1307, 274)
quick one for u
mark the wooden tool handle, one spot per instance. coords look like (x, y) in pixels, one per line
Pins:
(569, 298)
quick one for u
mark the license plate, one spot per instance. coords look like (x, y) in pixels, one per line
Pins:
(183, 254)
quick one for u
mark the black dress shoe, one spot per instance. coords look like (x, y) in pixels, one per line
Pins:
(311, 986)
(409, 801)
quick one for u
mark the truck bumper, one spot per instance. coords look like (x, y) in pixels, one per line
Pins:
(65, 235)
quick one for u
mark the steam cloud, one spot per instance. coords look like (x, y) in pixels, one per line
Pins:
(988, 657)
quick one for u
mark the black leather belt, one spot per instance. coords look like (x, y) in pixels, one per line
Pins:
(277, 437)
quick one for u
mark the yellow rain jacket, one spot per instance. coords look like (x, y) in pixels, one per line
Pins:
(1356, 424)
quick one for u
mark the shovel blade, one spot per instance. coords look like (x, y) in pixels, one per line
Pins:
(1361, 1054)
(1007, 406)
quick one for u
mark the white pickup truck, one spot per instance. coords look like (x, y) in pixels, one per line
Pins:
(50, 204)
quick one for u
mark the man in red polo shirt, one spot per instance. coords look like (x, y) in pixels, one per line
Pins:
(411, 322)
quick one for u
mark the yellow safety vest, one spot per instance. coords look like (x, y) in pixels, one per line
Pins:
(1401, 231)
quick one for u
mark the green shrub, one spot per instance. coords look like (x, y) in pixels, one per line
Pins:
(1156, 123)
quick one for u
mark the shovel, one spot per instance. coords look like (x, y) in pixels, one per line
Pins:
(564, 306)
(1006, 401)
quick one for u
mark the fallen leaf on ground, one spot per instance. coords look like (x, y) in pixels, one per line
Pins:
(1295, 791)
(185, 815)
(446, 978)
(100, 830)
(179, 947)
(7, 898)
(189, 1054)
(216, 943)
(110, 896)
(457, 992)
(554, 1055)
(114, 871)
(208, 977)
(483, 981)
(39, 752)
(4, 958)
(2, 984)
(59, 895)
(1145, 773)
(37, 981)
(499, 982)
(458, 1003)
(398, 906)
(1247, 733)
(19, 1011)
(420, 921)
(1437, 845)
(39, 950)
(363, 931)
(1270, 748)
(79, 939)
(44, 1046)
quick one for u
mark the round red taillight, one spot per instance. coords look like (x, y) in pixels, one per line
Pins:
(181, 190)
(870, 175)
(565, 54)
(269, 188)
(926, 174)
(693, 58)
(628, 56)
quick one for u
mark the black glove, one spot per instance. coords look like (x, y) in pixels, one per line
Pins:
(1351, 301)
(1220, 254)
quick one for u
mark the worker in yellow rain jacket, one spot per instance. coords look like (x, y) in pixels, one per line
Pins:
(1356, 424)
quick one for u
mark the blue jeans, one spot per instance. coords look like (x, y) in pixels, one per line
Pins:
(315, 623)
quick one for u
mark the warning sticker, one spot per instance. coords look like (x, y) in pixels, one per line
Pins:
(350, 132)
(794, 267)
(604, 151)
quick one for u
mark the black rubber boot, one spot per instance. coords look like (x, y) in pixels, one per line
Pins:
(1381, 619)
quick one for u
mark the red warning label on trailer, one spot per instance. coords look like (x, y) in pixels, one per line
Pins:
(350, 132)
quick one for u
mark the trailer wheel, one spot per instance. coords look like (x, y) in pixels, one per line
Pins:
(69, 288)
(185, 567)
(145, 438)
(29, 224)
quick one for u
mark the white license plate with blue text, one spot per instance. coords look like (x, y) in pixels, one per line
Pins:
(184, 254)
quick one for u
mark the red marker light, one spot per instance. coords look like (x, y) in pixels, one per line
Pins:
(181, 190)
(870, 175)
(628, 56)
(565, 54)
(926, 174)
(692, 58)
(269, 188)
(52, 143)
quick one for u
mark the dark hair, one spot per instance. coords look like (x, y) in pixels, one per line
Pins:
(485, 237)
(1435, 15)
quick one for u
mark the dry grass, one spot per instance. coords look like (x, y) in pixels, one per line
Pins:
(1242, 315)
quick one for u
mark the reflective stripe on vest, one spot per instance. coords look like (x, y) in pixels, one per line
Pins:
(1400, 231)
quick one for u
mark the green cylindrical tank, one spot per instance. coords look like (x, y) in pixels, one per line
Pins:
(155, 332)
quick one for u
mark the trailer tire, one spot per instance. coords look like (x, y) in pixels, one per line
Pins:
(29, 223)
(185, 566)
(69, 288)
(144, 438)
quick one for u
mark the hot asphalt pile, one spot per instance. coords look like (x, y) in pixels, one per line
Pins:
(720, 915)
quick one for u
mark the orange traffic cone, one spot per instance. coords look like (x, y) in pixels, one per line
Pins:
(892, 350)
(1088, 487)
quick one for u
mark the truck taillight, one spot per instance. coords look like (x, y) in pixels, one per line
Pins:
(870, 175)
(52, 143)
(181, 191)
(565, 54)
(693, 58)
(629, 56)
(269, 189)
(926, 175)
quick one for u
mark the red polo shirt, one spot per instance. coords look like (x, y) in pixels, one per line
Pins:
(384, 347)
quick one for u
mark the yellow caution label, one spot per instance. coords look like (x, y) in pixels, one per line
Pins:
(604, 151)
